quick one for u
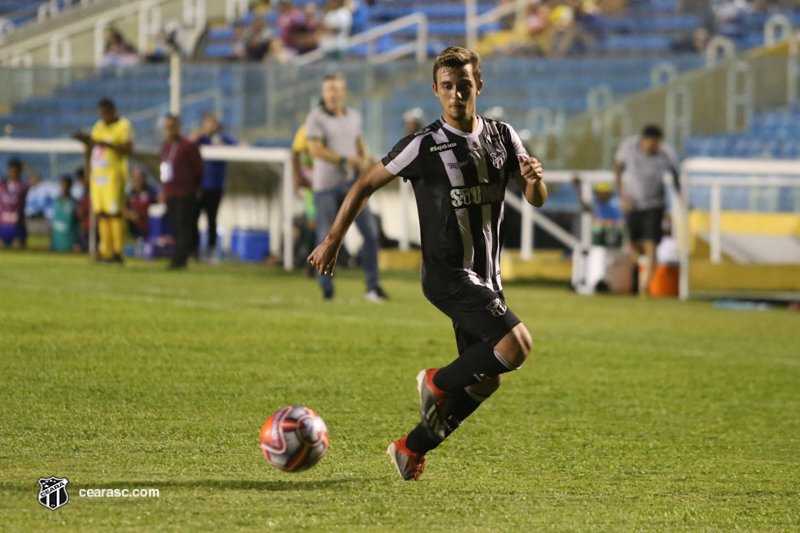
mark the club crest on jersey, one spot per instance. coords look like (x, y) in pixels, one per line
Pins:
(53, 492)
(498, 160)
(498, 307)
(442, 147)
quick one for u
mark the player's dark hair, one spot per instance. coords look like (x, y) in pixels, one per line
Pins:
(171, 116)
(15, 164)
(66, 179)
(106, 103)
(457, 57)
(334, 76)
(651, 131)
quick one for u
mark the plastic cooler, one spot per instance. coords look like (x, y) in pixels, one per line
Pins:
(250, 245)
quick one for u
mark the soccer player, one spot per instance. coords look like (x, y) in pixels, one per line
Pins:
(640, 164)
(13, 193)
(110, 145)
(459, 167)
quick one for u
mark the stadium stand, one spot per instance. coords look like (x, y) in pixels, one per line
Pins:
(16, 13)
(771, 135)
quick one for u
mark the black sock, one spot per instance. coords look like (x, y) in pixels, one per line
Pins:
(461, 406)
(475, 364)
(419, 441)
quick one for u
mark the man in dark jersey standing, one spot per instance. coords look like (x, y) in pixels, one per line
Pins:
(459, 167)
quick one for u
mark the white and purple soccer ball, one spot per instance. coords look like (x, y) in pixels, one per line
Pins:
(294, 439)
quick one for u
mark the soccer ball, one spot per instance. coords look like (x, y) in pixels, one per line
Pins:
(294, 439)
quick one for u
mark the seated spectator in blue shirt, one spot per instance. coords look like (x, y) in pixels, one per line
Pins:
(210, 133)
(607, 219)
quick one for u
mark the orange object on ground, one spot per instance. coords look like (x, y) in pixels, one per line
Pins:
(665, 281)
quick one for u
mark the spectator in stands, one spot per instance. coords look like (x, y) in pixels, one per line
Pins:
(590, 19)
(700, 8)
(336, 143)
(65, 224)
(640, 164)
(297, 29)
(13, 192)
(139, 199)
(182, 170)
(213, 186)
(118, 53)
(257, 39)
(730, 17)
(565, 29)
(335, 30)
(361, 14)
(694, 42)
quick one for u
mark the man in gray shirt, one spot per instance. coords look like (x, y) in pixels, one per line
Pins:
(639, 166)
(335, 142)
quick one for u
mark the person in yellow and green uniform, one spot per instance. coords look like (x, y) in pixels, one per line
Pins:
(109, 146)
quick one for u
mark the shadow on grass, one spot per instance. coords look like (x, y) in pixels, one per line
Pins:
(231, 484)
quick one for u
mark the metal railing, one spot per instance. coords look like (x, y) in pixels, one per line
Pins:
(475, 21)
(717, 174)
(418, 47)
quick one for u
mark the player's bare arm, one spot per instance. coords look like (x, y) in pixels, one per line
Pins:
(624, 202)
(318, 150)
(323, 258)
(125, 148)
(530, 180)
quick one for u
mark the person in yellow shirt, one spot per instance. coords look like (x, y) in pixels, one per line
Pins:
(108, 147)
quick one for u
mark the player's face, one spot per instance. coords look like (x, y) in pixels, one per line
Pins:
(651, 145)
(457, 89)
(106, 114)
(333, 94)
(172, 129)
(211, 125)
(13, 172)
(137, 180)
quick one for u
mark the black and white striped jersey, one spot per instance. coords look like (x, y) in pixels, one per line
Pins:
(459, 181)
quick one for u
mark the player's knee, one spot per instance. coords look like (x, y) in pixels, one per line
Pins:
(524, 345)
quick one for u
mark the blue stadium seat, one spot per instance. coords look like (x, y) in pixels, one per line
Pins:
(219, 50)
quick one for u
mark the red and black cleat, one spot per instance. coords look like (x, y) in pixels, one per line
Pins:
(433, 404)
(409, 464)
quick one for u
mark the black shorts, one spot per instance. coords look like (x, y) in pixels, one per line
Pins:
(645, 225)
(479, 315)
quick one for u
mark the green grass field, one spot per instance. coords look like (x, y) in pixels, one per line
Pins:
(632, 415)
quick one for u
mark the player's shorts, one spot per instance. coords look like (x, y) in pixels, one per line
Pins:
(646, 225)
(108, 194)
(8, 234)
(479, 315)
